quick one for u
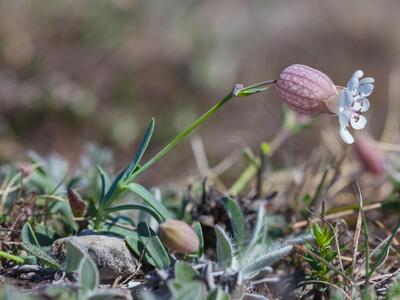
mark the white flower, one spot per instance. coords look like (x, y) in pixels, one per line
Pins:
(352, 103)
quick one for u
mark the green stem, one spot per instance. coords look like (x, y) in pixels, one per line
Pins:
(184, 133)
(9, 256)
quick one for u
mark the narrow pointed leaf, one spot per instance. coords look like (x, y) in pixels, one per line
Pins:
(127, 172)
(104, 181)
(141, 150)
(150, 200)
(141, 207)
(153, 246)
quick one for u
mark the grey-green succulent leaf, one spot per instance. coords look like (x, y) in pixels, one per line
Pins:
(88, 277)
(74, 257)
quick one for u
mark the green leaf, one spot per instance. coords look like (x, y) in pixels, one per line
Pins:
(218, 294)
(258, 226)
(104, 178)
(150, 200)
(265, 258)
(184, 273)
(142, 149)
(382, 255)
(42, 256)
(28, 236)
(225, 248)
(236, 218)
(199, 232)
(195, 290)
(125, 175)
(74, 257)
(141, 207)
(88, 276)
(153, 247)
(135, 245)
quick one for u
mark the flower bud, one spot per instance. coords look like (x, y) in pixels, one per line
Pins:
(179, 236)
(78, 206)
(26, 169)
(305, 89)
(369, 155)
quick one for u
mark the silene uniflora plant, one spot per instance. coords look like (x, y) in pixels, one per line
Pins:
(159, 237)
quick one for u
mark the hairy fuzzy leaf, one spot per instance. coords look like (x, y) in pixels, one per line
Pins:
(236, 218)
(150, 200)
(225, 248)
(74, 257)
(88, 276)
(258, 226)
(264, 258)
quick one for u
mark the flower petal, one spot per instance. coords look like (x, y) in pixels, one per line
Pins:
(365, 90)
(358, 74)
(367, 80)
(358, 122)
(354, 80)
(364, 104)
(344, 118)
(346, 136)
(346, 99)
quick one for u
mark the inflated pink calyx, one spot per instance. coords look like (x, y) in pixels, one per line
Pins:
(305, 89)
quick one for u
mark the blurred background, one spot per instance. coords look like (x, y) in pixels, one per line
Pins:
(75, 72)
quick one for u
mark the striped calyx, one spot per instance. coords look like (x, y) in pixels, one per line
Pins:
(305, 89)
